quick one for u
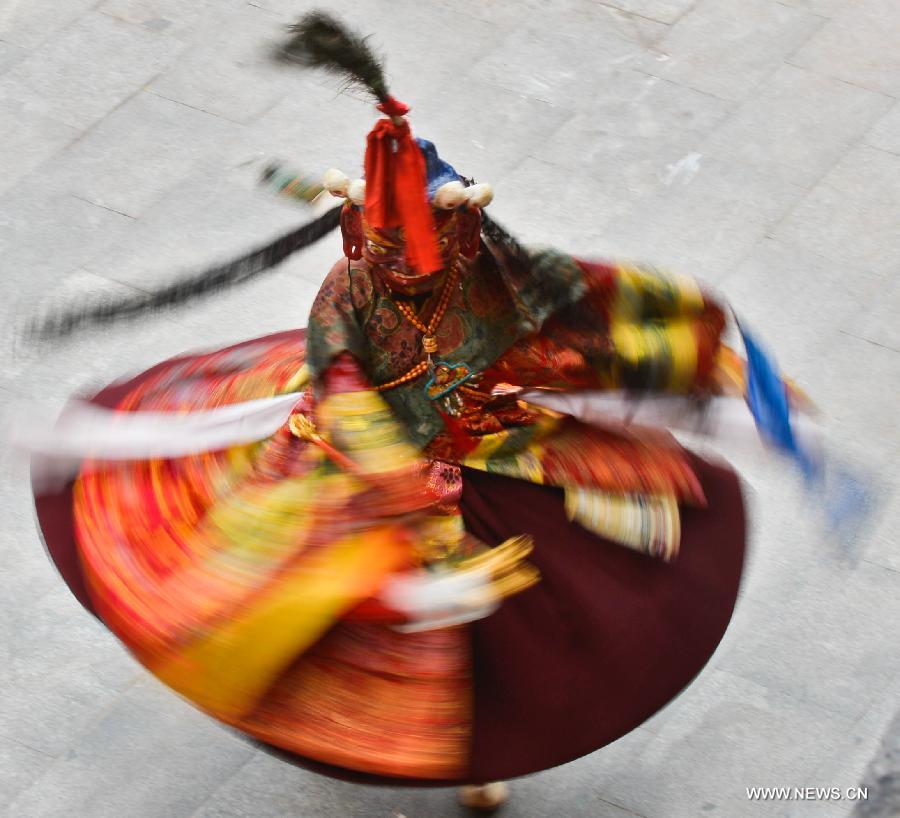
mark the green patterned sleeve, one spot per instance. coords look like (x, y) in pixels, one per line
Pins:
(334, 325)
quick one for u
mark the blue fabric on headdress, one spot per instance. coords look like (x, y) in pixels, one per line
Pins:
(437, 170)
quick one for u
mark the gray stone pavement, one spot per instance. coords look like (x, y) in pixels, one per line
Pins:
(754, 143)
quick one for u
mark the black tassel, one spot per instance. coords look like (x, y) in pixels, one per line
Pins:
(321, 41)
(504, 243)
(59, 325)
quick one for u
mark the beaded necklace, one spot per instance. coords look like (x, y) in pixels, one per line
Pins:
(445, 378)
(429, 342)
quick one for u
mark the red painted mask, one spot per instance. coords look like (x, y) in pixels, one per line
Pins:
(386, 250)
(457, 231)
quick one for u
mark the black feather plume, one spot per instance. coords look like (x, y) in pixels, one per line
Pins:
(321, 41)
(62, 324)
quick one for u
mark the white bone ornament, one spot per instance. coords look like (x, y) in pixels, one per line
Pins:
(356, 193)
(336, 182)
(480, 195)
(449, 196)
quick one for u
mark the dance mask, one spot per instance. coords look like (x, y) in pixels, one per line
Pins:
(413, 215)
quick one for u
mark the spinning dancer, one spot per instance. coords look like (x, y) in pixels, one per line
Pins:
(432, 538)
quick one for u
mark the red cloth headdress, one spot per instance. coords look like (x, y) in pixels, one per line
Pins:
(397, 187)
